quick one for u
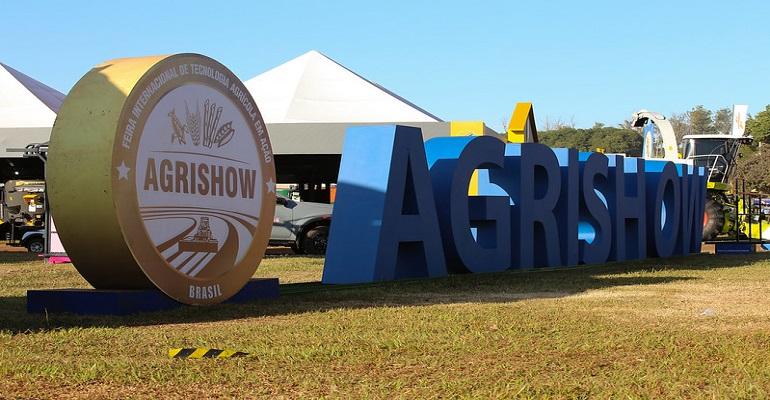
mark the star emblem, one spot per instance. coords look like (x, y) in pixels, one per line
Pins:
(270, 186)
(123, 170)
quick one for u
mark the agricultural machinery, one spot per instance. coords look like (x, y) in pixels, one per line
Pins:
(22, 214)
(729, 210)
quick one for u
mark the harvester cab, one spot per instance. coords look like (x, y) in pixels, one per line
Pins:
(717, 154)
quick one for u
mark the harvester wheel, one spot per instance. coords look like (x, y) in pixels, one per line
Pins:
(713, 219)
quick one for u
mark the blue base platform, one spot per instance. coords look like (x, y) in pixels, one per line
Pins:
(125, 302)
(734, 248)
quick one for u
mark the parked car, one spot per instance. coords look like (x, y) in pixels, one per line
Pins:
(301, 225)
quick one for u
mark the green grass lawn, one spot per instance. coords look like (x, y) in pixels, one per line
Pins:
(683, 327)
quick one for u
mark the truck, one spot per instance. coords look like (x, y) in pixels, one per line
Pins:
(301, 225)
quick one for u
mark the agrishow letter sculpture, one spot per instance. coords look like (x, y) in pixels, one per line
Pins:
(403, 210)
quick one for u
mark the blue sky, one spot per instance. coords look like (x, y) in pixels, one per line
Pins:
(577, 61)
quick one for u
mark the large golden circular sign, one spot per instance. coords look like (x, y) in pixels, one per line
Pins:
(161, 173)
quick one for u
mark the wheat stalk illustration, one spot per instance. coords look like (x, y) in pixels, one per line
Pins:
(193, 126)
(211, 115)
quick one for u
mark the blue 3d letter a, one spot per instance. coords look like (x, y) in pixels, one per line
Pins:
(384, 225)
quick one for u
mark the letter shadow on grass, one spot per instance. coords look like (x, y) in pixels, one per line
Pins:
(502, 287)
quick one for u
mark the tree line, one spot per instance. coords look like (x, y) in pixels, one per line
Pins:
(598, 137)
(753, 164)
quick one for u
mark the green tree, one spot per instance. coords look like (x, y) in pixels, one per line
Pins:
(612, 140)
(700, 121)
(616, 140)
(753, 168)
(723, 120)
(566, 137)
(681, 125)
(758, 126)
(626, 124)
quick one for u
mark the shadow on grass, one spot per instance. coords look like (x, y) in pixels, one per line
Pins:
(286, 252)
(17, 256)
(501, 287)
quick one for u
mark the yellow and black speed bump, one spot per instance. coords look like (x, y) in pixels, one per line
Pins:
(204, 353)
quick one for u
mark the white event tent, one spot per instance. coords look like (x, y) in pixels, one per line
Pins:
(315, 88)
(309, 102)
(27, 110)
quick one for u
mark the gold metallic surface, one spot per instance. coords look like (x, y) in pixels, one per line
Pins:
(95, 201)
(79, 173)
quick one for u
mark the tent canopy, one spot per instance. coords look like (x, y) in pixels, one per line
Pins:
(315, 88)
(309, 102)
(27, 110)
